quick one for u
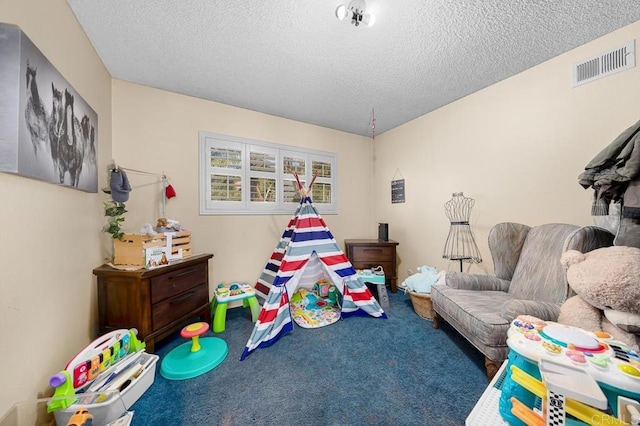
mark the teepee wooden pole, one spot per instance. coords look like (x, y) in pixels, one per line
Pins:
(315, 175)
(295, 174)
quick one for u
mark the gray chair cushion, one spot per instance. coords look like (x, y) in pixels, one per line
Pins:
(475, 310)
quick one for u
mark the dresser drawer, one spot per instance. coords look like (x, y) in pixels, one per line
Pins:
(169, 309)
(366, 254)
(168, 285)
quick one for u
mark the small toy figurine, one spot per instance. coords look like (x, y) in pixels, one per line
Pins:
(322, 288)
(81, 417)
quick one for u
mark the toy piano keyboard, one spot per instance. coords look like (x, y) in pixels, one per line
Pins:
(106, 377)
(612, 364)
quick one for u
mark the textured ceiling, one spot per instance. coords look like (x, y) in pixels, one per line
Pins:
(294, 59)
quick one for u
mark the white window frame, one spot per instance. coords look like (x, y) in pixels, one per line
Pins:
(246, 206)
(257, 206)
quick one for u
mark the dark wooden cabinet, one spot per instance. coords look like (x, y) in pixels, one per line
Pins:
(157, 302)
(365, 254)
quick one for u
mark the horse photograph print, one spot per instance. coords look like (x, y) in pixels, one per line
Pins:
(56, 138)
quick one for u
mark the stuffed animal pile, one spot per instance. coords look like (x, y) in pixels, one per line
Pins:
(168, 225)
(607, 286)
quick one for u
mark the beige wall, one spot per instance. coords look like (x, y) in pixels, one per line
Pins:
(157, 131)
(50, 233)
(516, 147)
(48, 299)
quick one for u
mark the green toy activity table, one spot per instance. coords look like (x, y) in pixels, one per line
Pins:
(233, 293)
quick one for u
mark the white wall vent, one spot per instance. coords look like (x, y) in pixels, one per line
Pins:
(613, 61)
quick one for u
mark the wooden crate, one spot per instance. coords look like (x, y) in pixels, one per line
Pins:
(129, 250)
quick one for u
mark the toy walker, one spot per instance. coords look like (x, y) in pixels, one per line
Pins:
(196, 357)
(375, 277)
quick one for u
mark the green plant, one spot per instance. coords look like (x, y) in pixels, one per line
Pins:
(114, 211)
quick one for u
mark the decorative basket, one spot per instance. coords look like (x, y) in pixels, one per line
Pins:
(421, 304)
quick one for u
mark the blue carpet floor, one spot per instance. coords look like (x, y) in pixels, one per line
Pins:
(358, 371)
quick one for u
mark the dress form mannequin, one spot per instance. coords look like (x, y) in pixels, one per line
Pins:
(460, 245)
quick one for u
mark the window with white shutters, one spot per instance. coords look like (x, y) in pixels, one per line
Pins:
(242, 176)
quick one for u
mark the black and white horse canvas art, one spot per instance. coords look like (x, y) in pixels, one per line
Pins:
(47, 130)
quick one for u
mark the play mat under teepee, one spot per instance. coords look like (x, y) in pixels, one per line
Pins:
(299, 276)
(316, 308)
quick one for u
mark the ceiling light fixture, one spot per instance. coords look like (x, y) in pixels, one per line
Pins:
(356, 12)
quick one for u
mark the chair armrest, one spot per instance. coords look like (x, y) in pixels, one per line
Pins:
(463, 281)
(546, 311)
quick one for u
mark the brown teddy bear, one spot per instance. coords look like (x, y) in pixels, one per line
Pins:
(607, 286)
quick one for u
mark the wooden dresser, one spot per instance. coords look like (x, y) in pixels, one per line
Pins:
(365, 254)
(157, 302)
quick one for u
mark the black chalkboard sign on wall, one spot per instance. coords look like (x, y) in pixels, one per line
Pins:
(397, 191)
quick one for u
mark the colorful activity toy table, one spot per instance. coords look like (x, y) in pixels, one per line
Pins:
(233, 293)
(569, 370)
(377, 279)
(581, 357)
(196, 357)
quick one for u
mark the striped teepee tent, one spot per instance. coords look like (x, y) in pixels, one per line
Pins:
(306, 253)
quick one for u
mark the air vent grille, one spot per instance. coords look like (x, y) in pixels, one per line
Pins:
(615, 60)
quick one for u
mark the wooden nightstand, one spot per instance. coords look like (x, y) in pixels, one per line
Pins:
(157, 302)
(365, 254)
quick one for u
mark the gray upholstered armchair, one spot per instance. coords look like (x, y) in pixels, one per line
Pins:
(529, 280)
